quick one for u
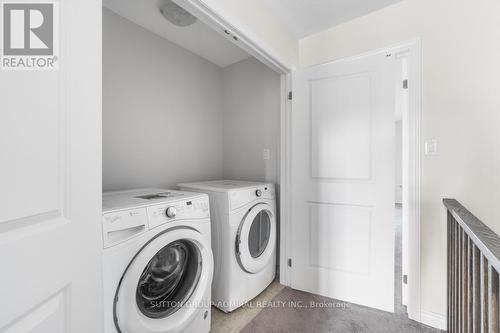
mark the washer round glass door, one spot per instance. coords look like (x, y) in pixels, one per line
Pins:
(171, 270)
(169, 279)
(256, 238)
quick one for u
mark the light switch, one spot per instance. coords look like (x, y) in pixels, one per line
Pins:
(431, 147)
(266, 154)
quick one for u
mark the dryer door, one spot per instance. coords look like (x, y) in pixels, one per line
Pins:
(164, 284)
(256, 238)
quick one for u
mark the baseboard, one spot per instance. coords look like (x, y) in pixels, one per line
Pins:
(433, 319)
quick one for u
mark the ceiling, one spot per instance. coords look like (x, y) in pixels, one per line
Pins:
(306, 17)
(197, 38)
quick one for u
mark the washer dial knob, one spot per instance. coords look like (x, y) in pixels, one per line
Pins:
(258, 193)
(171, 212)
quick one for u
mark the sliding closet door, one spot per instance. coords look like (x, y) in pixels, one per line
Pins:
(50, 169)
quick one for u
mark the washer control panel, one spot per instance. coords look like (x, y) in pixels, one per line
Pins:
(197, 208)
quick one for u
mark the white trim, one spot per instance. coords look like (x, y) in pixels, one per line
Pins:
(413, 181)
(285, 181)
(246, 39)
(413, 51)
(398, 49)
(433, 319)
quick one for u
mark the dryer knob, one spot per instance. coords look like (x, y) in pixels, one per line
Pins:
(258, 193)
(171, 212)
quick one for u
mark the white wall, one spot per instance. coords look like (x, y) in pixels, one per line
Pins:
(461, 103)
(251, 121)
(162, 110)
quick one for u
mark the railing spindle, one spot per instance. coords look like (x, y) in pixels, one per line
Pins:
(465, 282)
(473, 279)
(460, 280)
(457, 278)
(476, 280)
(484, 294)
(470, 305)
(455, 284)
(493, 299)
(450, 275)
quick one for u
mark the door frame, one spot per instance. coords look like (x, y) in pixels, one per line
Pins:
(239, 34)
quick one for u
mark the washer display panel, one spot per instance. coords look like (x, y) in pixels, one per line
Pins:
(169, 279)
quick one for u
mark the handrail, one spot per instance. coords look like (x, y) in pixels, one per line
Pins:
(483, 237)
(473, 266)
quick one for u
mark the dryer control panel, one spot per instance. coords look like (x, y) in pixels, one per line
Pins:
(179, 210)
(240, 198)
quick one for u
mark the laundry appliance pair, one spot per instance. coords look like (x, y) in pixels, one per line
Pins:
(159, 270)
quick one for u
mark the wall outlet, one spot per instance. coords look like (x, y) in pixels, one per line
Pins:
(431, 147)
(266, 154)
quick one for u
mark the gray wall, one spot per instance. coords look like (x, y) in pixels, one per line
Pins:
(251, 121)
(162, 110)
(170, 116)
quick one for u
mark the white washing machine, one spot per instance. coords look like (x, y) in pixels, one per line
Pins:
(157, 261)
(243, 239)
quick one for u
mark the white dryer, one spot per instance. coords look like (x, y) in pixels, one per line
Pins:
(157, 261)
(243, 239)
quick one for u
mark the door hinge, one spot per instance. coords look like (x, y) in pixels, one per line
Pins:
(405, 84)
(405, 279)
(290, 95)
(289, 262)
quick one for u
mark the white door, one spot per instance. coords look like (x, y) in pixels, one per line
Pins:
(343, 181)
(50, 182)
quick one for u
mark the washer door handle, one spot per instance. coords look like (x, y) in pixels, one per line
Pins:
(238, 242)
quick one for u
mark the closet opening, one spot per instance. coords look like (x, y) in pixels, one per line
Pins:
(184, 102)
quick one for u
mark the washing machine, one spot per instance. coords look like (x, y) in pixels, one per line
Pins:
(157, 261)
(243, 239)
